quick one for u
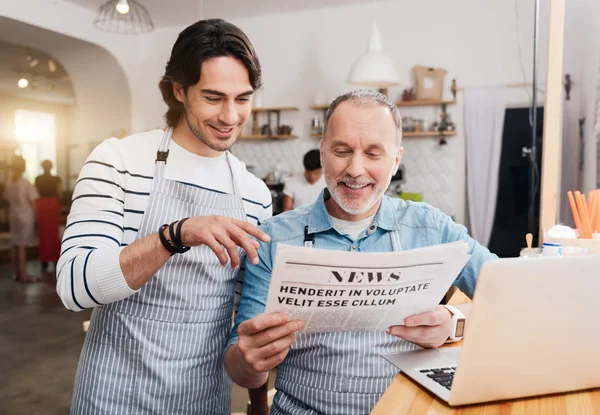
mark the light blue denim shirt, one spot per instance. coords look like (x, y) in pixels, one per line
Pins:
(343, 373)
(418, 225)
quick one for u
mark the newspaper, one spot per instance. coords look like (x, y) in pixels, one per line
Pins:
(355, 291)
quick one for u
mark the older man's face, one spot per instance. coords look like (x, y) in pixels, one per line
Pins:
(359, 157)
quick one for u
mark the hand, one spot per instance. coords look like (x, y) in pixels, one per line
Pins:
(221, 234)
(429, 330)
(265, 340)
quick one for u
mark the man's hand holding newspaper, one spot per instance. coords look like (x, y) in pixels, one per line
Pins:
(314, 290)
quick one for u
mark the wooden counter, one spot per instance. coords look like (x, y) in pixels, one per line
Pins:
(405, 397)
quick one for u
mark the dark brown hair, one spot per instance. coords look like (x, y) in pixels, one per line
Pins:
(46, 165)
(199, 42)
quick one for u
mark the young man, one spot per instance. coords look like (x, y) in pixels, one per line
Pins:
(157, 334)
(303, 189)
(343, 373)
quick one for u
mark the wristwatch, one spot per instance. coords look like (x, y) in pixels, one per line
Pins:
(458, 324)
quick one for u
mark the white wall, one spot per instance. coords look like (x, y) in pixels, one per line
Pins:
(308, 52)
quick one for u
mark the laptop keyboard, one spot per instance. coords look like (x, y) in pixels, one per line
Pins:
(442, 375)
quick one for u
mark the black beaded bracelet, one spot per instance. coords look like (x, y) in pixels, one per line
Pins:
(168, 245)
(177, 240)
(174, 245)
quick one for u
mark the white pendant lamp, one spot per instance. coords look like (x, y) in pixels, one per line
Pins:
(373, 69)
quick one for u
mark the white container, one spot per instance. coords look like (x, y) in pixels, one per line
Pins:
(592, 245)
(552, 249)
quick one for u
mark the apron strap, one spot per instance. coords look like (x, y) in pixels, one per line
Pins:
(163, 153)
(234, 176)
(396, 241)
(309, 238)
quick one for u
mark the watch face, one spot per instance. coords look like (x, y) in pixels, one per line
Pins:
(460, 327)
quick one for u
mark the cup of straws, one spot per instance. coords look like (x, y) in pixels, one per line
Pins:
(586, 213)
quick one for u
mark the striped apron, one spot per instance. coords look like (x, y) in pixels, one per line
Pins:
(337, 373)
(160, 351)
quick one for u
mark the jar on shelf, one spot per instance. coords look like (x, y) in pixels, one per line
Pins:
(418, 125)
(408, 124)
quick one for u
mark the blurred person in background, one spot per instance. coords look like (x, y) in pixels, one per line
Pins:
(303, 189)
(21, 196)
(49, 188)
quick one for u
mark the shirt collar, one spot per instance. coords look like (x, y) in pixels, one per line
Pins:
(320, 221)
(386, 215)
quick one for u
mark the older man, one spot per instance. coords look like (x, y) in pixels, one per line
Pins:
(342, 373)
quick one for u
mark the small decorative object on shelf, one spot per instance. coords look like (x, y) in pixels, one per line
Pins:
(423, 103)
(408, 95)
(454, 89)
(316, 128)
(266, 131)
(284, 130)
(420, 127)
(430, 82)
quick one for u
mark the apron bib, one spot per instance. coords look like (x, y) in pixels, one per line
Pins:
(350, 377)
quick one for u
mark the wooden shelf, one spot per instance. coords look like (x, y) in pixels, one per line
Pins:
(268, 137)
(436, 134)
(275, 109)
(423, 102)
(416, 134)
(319, 107)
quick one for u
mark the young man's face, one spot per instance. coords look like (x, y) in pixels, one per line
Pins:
(360, 154)
(218, 106)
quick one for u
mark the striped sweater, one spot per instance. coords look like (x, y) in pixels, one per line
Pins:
(110, 199)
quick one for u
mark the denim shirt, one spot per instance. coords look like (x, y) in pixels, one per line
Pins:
(418, 225)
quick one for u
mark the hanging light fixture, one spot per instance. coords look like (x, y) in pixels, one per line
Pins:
(373, 69)
(126, 17)
(122, 7)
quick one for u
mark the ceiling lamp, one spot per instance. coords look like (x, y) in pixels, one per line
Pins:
(373, 69)
(22, 83)
(122, 7)
(127, 17)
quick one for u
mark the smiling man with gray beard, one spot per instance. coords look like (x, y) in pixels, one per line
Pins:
(342, 372)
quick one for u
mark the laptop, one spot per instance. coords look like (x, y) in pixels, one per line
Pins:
(534, 329)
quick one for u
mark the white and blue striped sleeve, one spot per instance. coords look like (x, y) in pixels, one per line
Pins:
(89, 273)
(262, 210)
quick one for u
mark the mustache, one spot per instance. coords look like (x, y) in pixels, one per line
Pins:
(354, 181)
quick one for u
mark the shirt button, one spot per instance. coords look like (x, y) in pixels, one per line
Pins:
(372, 227)
(354, 247)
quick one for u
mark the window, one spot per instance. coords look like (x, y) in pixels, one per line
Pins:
(36, 134)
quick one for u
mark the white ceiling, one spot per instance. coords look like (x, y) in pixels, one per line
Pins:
(176, 12)
(15, 63)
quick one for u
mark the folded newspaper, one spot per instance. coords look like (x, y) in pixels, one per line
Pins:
(359, 291)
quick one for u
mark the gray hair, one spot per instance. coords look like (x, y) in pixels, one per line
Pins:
(363, 97)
